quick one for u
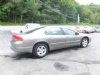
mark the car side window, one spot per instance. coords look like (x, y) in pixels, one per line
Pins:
(68, 31)
(54, 31)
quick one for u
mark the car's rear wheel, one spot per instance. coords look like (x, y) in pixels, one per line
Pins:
(84, 42)
(40, 50)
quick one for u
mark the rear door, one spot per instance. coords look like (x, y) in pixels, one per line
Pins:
(56, 38)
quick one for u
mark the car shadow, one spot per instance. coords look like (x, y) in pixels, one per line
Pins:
(22, 56)
(30, 56)
(64, 50)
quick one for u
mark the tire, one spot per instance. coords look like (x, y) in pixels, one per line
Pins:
(84, 42)
(40, 50)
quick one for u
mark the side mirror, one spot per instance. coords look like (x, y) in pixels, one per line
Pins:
(21, 31)
(76, 33)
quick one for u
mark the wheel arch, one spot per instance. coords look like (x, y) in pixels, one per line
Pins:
(43, 42)
(87, 38)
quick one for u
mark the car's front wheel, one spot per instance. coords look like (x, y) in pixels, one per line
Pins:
(84, 42)
(40, 50)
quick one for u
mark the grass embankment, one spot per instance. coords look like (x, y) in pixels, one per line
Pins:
(20, 24)
(10, 24)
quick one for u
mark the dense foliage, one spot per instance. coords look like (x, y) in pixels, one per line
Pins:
(48, 11)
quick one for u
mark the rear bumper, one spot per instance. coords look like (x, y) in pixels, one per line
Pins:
(21, 49)
(18, 47)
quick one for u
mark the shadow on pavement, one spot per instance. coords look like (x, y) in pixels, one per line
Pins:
(22, 55)
(64, 50)
(29, 55)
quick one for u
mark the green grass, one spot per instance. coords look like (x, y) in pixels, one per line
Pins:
(19, 24)
(9, 24)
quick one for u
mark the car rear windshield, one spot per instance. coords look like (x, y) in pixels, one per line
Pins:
(30, 31)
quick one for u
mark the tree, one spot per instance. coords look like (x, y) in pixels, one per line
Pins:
(47, 11)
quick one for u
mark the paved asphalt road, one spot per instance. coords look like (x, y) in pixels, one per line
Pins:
(69, 61)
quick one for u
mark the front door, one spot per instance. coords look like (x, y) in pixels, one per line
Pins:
(71, 37)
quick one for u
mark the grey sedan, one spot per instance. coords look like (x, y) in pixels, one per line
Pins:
(40, 41)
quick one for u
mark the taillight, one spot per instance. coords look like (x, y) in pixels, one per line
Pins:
(17, 38)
